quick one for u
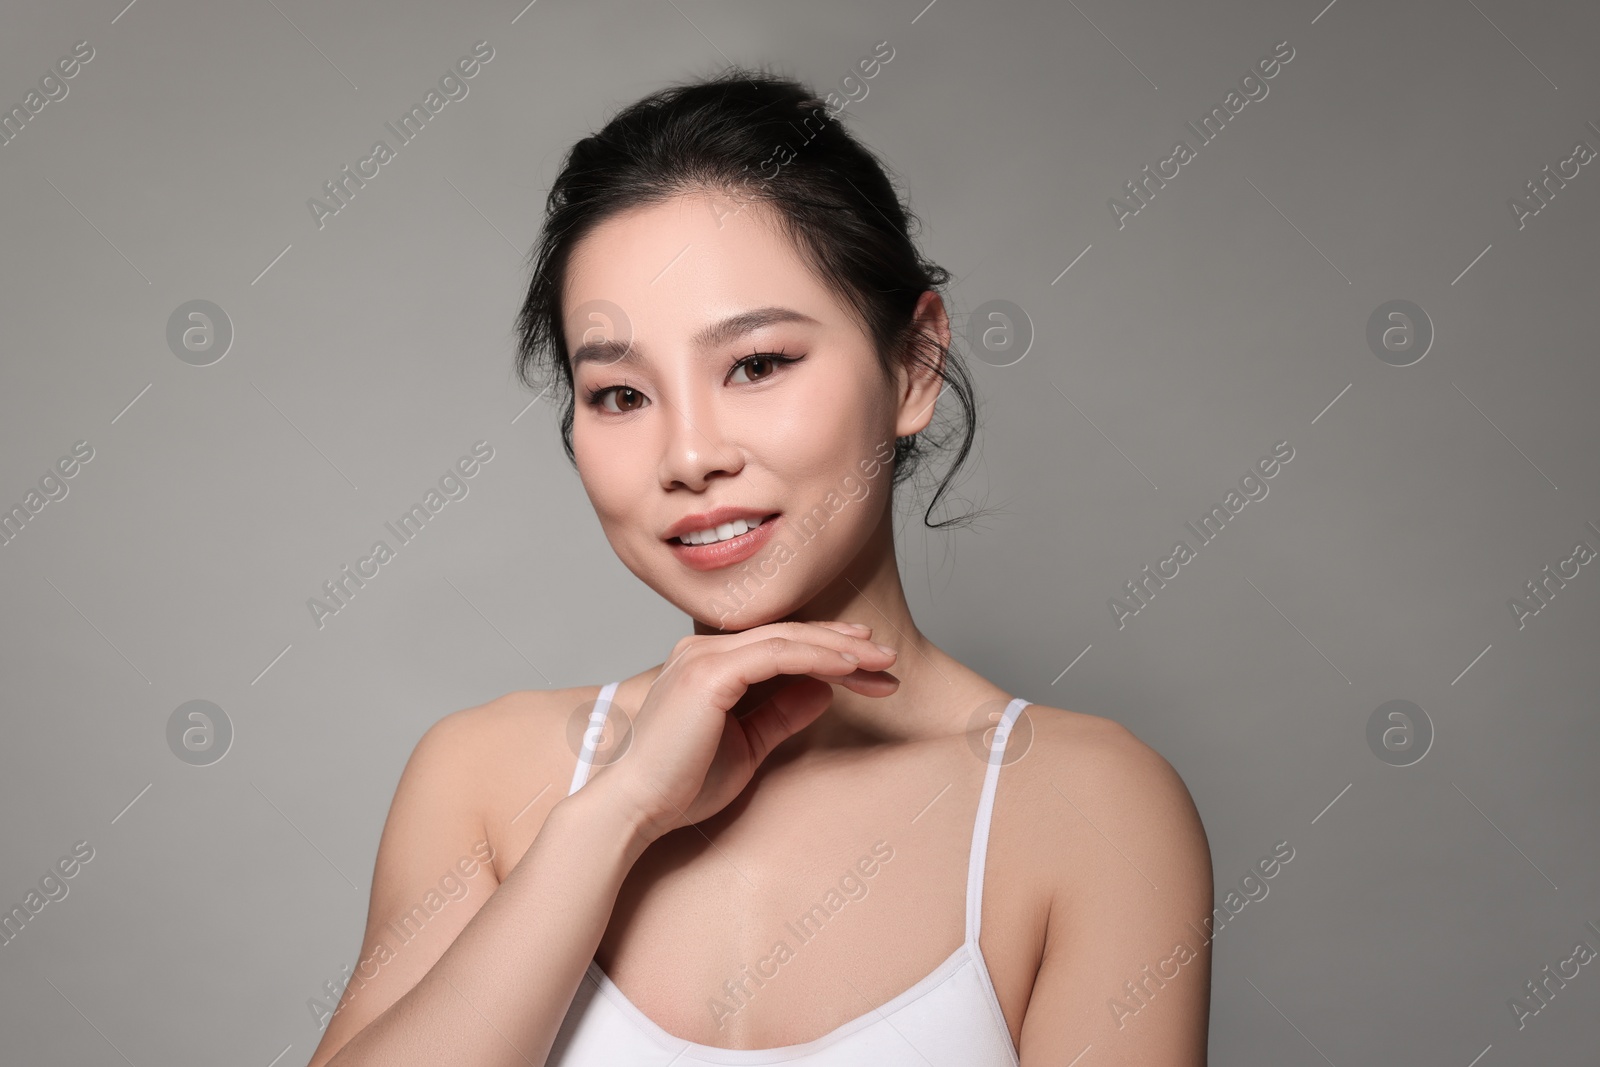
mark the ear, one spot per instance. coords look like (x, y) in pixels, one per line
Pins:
(919, 385)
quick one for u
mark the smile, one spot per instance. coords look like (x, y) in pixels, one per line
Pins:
(715, 534)
(723, 545)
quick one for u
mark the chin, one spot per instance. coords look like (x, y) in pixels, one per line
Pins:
(734, 602)
(739, 621)
(765, 588)
(732, 610)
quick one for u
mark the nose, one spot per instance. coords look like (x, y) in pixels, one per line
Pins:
(695, 450)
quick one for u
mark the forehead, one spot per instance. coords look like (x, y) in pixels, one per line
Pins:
(676, 266)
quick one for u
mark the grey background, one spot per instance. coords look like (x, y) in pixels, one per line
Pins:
(1226, 316)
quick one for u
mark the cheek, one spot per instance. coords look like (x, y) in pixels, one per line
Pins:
(611, 477)
(792, 441)
(825, 423)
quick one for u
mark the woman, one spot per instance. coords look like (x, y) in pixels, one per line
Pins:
(790, 841)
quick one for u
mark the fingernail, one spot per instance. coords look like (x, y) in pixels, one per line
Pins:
(858, 626)
(886, 650)
(849, 658)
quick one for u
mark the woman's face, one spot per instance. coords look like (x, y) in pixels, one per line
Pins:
(687, 432)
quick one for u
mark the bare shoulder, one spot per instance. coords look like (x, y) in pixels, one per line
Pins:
(515, 755)
(1099, 789)
(1090, 752)
(445, 825)
(507, 731)
(494, 719)
(1114, 846)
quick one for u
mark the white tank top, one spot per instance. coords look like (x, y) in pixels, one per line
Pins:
(950, 1018)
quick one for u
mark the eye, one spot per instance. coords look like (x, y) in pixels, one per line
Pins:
(760, 365)
(627, 399)
(624, 399)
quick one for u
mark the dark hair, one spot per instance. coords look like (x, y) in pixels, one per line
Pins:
(832, 197)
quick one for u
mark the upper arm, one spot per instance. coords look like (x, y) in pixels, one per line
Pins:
(431, 876)
(1126, 966)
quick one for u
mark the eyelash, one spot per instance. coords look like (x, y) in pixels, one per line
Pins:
(592, 397)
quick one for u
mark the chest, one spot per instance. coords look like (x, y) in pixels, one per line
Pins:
(816, 898)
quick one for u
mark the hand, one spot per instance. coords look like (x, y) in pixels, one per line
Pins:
(690, 757)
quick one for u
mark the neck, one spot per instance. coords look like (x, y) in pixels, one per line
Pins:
(868, 591)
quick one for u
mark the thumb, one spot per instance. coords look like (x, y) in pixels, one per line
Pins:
(784, 714)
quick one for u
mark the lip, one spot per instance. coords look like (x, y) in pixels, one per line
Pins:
(724, 553)
(705, 520)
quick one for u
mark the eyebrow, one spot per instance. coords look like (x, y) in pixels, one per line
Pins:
(614, 352)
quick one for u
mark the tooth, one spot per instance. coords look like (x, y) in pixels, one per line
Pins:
(719, 533)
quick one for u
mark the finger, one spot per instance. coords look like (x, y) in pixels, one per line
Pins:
(867, 683)
(785, 713)
(851, 629)
(726, 674)
(872, 683)
(869, 652)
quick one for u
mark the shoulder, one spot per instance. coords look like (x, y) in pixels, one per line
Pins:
(476, 757)
(1079, 752)
(1112, 755)
(462, 740)
(494, 730)
(511, 758)
(1118, 806)
(1123, 869)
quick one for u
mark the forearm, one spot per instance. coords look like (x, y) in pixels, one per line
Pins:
(499, 993)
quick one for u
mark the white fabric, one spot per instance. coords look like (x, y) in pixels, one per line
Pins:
(950, 1018)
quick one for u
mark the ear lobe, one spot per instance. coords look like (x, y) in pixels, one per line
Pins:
(920, 372)
(917, 402)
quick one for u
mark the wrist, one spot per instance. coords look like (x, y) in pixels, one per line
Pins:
(606, 817)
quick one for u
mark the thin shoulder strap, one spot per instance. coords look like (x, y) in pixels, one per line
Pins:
(592, 735)
(980, 828)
